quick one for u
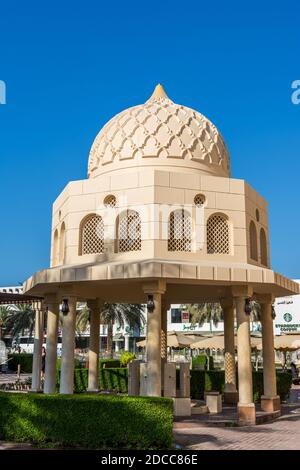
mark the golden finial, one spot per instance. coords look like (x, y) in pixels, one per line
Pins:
(158, 93)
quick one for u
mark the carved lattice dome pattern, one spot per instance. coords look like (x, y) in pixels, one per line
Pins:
(160, 129)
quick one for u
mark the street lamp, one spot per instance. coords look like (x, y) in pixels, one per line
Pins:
(65, 307)
(150, 304)
(248, 308)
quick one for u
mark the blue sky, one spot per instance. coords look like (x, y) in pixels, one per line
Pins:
(70, 66)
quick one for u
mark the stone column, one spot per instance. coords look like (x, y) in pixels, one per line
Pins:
(270, 401)
(68, 348)
(126, 336)
(52, 306)
(246, 408)
(164, 345)
(93, 381)
(38, 344)
(153, 340)
(230, 392)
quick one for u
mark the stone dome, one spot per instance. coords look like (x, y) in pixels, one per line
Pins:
(159, 134)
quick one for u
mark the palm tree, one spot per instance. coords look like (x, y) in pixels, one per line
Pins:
(4, 310)
(255, 314)
(82, 319)
(210, 312)
(132, 314)
(19, 318)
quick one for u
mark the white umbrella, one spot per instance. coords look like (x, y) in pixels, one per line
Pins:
(287, 342)
(174, 340)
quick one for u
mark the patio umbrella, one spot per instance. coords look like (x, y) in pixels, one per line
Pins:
(287, 342)
(217, 342)
(174, 340)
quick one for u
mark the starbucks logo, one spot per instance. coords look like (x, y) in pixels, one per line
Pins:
(287, 317)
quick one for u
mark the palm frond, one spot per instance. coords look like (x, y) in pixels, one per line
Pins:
(20, 318)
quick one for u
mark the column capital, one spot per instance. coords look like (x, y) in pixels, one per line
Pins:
(71, 298)
(165, 305)
(265, 298)
(242, 291)
(51, 299)
(93, 304)
(155, 287)
(227, 302)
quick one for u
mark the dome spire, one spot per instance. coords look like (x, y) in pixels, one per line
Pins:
(159, 93)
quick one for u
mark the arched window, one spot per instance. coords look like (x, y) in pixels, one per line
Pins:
(55, 248)
(253, 241)
(91, 235)
(263, 247)
(129, 231)
(217, 233)
(62, 243)
(180, 231)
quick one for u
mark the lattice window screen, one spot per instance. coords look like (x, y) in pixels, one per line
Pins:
(92, 236)
(110, 201)
(180, 231)
(199, 200)
(129, 233)
(218, 235)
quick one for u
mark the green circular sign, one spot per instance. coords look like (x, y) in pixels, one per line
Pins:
(288, 317)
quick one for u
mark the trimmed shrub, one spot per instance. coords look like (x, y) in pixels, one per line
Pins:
(258, 385)
(200, 362)
(284, 384)
(87, 421)
(113, 380)
(77, 363)
(205, 381)
(126, 357)
(116, 379)
(24, 359)
(105, 363)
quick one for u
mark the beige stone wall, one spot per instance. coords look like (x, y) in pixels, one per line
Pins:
(154, 194)
(257, 212)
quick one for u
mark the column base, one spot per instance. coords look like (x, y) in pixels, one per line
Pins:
(92, 390)
(231, 398)
(270, 404)
(246, 414)
(182, 406)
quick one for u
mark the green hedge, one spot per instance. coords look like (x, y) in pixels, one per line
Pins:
(105, 363)
(77, 363)
(24, 359)
(200, 362)
(283, 380)
(116, 379)
(87, 421)
(109, 379)
(205, 381)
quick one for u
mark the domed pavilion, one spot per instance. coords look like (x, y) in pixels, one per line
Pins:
(159, 220)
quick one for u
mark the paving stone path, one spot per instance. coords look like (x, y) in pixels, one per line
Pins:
(281, 434)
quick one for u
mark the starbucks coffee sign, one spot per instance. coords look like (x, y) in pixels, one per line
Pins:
(288, 317)
(287, 314)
